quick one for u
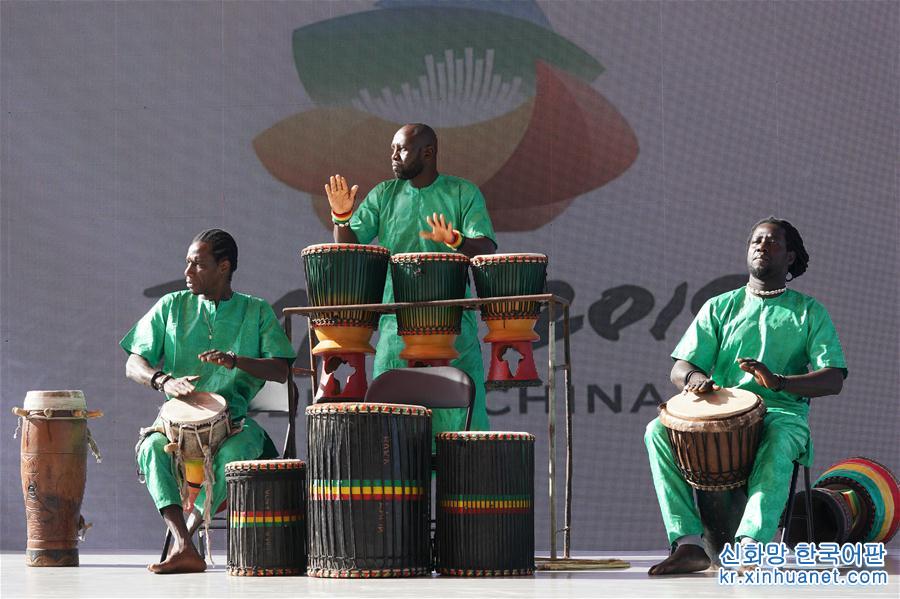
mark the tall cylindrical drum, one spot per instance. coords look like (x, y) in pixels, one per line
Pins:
(266, 517)
(54, 446)
(368, 488)
(485, 504)
(429, 332)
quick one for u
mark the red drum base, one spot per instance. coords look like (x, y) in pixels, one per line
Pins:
(331, 388)
(500, 375)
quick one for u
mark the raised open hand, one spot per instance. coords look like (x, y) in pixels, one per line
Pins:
(441, 230)
(340, 196)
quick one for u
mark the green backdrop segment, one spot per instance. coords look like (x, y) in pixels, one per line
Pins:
(337, 58)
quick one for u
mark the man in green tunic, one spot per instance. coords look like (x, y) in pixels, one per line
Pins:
(416, 212)
(773, 341)
(207, 338)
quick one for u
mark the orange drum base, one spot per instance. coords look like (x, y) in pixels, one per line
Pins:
(513, 329)
(343, 340)
(429, 347)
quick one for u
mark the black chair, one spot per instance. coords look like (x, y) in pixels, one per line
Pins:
(436, 387)
(275, 399)
(787, 535)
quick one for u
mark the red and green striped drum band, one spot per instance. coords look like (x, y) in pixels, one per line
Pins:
(485, 504)
(429, 332)
(340, 274)
(510, 324)
(369, 490)
(870, 488)
(266, 517)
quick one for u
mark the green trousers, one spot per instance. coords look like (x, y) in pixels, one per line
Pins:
(784, 439)
(156, 465)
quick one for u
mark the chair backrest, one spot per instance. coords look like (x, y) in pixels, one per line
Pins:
(276, 399)
(433, 387)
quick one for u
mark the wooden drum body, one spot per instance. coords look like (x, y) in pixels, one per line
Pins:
(714, 436)
(368, 488)
(510, 324)
(54, 446)
(429, 332)
(266, 517)
(485, 504)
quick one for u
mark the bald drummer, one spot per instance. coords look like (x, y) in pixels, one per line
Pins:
(775, 342)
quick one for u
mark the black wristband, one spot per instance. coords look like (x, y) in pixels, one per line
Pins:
(782, 381)
(161, 385)
(233, 357)
(153, 383)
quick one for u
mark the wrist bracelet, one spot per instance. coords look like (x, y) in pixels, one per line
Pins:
(688, 376)
(161, 386)
(153, 384)
(457, 240)
(341, 218)
(782, 381)
(233, 357)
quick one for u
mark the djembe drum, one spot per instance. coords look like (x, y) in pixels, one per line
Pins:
(55, 439)
(343, 274)
(266, 517)
(429, 332)
(485, 504)
(510, 324)
(369, 482)
(714, 436)
(856, 500)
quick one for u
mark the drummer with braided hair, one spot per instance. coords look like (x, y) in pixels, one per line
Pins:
(206, 338)
(768, 339)
(420, 210)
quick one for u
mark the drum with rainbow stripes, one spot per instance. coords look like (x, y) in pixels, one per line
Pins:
(855, 500)
(369, 488)
(266, 517)
(485, 504)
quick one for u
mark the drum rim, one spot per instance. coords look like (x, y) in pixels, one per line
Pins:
(732, 422)
(528, 257)
(351, 407)
(403, 257)
(276, 464)
(319, 248)
(485, 436)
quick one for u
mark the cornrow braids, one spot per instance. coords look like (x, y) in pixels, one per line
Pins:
(794, 244)
(222, 245)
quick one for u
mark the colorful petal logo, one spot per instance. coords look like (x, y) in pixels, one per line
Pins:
(510, 99)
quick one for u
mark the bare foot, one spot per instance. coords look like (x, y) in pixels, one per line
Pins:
(684, 560)
(185, 561)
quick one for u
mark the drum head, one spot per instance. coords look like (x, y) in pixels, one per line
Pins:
(723, 403)
(199, 408)
(57, 400)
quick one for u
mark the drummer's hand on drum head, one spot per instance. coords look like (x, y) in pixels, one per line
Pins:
(441, 230)
(340, 195)
(700, 383)
(761, 373)
(180, 387)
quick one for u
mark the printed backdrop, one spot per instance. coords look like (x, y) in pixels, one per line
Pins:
(634, 143)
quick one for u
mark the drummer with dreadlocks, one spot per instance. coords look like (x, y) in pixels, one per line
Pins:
(765, 338)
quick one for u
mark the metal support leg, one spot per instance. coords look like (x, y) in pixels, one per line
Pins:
(567, 532)
(551, 401)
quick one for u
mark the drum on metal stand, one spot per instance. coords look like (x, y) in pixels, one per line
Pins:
(368, 489)
(342, 274)
(55, 439)
(429, 332)
(266, 517)
(485, 504)
(510, 324)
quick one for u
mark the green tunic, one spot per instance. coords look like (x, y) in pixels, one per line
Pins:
(171, 336)
(395, 212)
(790, 334)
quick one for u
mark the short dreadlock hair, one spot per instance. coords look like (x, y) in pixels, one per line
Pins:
(794, 243)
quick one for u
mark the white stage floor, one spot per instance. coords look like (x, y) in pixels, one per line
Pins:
(124, 575)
